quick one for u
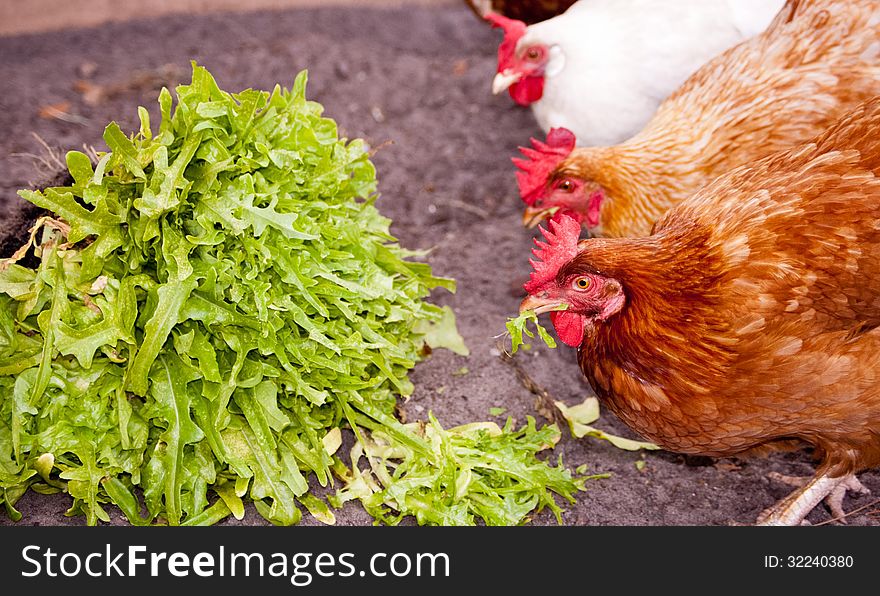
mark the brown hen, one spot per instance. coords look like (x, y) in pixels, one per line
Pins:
(749, 317)
(816, 61)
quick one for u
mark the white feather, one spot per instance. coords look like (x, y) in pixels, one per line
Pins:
(613, 61)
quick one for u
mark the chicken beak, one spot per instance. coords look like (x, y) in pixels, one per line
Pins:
(533, 216)
(503, 80)
(540, 304)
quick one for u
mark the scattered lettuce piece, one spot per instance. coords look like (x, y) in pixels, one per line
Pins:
(443, 334)
(457, 476)
(497, 411)
(581, 416)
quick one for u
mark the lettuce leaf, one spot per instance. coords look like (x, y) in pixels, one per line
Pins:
(516, 328)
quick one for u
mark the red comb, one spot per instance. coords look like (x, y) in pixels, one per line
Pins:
(540, 162)
(513, 31)
(559, 249)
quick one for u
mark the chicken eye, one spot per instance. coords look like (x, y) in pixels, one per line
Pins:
(565, 186)
(533, 53)
(582, 283)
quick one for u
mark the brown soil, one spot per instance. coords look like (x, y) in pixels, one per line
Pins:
(418, 77)
(51, 15)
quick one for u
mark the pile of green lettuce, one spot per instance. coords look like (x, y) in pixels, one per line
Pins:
(211, 303)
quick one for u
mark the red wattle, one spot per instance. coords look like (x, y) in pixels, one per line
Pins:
(527, 91)
(569, 327)
(594, 208)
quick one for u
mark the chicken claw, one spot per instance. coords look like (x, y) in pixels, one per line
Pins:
(794, 508)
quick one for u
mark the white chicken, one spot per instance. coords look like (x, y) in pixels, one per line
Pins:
(601, 68)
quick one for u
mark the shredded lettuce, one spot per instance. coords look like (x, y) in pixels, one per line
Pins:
(457, 476)
(214, 300)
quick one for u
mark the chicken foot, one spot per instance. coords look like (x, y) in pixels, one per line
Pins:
(792, 510)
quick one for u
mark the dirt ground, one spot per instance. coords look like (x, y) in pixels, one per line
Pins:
(419, 78)
(44, 15)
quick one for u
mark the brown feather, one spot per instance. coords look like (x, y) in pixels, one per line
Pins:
(817, 60)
